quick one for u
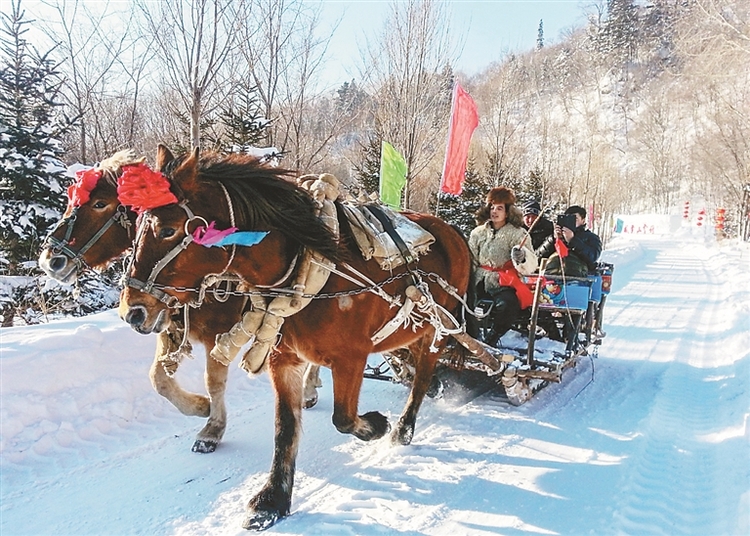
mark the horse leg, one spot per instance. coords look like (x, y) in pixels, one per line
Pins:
(188, 403)
(216, 385)
(424, 362)
(311, 383)
(347, 375)
(274, 500)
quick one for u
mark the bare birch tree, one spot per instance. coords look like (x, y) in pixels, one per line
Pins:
(193, 39)
(407, 69)
(503, 110)
(284, 48)
(92, 51)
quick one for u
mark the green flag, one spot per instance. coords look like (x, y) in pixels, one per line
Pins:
(392, 175)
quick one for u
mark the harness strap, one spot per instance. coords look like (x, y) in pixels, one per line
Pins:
(62, 246)
(388, 228)
(148, 286)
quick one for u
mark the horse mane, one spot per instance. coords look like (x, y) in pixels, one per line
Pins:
(112, 166)
(266, 197)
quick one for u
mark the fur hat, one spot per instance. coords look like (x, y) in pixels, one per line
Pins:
(501, 196)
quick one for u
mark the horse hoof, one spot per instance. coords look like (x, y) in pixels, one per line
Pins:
(260, 520)
(402, 435)
(310, 402)
(378, 426)
(204, 446)
(436, 388)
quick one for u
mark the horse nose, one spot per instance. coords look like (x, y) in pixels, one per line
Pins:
(58, 263)
(136, 316)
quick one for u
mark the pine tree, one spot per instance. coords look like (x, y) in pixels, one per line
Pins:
(350, 98)
(622, 30)
(368, 169)
(460, 210)
(540, 35)
(532, 187)
(31, 176)
(245, 125)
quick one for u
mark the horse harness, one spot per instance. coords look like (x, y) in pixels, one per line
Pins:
(120, 216)
(410, 311)
(150, 286)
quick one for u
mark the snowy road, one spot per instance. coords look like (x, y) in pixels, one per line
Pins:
(649, 438)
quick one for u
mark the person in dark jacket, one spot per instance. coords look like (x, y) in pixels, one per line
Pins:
(584, 247)
(541, 230)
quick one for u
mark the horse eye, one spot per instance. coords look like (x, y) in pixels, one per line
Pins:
(166, 232)
(100, 204)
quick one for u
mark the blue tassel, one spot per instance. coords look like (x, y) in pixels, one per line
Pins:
(241, 238)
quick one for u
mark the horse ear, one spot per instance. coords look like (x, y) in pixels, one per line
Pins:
(186, 174)
(163, 156)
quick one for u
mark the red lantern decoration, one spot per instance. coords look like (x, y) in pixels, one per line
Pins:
(720, 217)
(701, 215)
(686, 210)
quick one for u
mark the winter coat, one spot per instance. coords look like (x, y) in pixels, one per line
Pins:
(584, 245)
(542, 229)
(492, 247)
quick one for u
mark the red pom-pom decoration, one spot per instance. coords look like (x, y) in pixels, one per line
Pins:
(142, 188)
(80, 191)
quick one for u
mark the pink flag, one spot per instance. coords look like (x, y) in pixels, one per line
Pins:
(464, 119)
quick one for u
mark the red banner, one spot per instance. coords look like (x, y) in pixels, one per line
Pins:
(464, 119)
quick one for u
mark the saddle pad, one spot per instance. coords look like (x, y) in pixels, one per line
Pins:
(374, 241)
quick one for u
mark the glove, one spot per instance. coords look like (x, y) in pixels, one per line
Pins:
(518, 255)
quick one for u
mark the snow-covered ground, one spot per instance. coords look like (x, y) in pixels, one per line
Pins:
(651, 437)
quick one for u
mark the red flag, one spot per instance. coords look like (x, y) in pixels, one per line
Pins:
(561, 248)
(464, 119)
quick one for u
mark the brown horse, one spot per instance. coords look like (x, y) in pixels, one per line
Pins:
(334, 330)
(98, 229)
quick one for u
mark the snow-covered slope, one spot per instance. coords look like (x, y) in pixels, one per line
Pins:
(651, 437)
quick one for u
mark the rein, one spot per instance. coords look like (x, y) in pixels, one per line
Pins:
(63, 246)
(376, 288)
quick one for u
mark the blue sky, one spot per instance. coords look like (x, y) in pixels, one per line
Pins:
(488, 28)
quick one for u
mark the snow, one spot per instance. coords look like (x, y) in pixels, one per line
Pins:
(650, 437)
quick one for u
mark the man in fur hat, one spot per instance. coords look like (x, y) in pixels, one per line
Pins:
(500, 258)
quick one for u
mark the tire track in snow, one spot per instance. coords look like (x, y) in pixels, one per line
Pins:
(683, 411)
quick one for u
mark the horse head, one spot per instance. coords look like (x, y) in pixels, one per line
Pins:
(95, 228)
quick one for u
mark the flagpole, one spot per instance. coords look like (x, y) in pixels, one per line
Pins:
(437, 205)
(447, 143)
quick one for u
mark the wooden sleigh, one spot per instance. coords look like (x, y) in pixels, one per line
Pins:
(527, 358)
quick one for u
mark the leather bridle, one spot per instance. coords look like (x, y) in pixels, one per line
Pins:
(150, 286)
(63, 246)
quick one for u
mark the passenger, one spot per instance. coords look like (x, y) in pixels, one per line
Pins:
(495, 245)
(541, 227)
(583, 247)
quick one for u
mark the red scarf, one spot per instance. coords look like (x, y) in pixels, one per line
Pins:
(508, 276)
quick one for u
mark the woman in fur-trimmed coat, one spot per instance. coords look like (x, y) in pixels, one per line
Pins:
(499, 257)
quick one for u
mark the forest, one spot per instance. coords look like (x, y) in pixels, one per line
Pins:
(640, 110)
